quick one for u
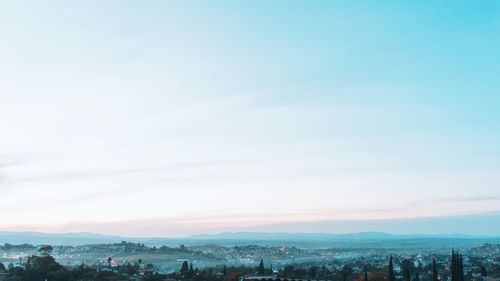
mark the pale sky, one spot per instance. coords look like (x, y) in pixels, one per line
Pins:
(212, 116)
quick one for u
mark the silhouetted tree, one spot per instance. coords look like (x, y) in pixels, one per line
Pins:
(109, 262)
(262, 269)
(346, 271)
(128, 269)
(457, 267)
(191, 270)
(373, 276)
(45, 250)
(434, 270)
(39, 268)
(391, 270)
(184, 267)
(313, 270)
(483, 271)
(150, 268)
(406, 270)
(366, 274)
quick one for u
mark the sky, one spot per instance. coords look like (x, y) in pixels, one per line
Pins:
(171, 118)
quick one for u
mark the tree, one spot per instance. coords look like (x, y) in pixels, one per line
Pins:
(313, 271)
(406, 269)
(262, 269)
(366, 274)
(417, 277)
(434, 270)
(150, 268)
(457, 267)
(128, 269)
(373, 276)
(483, 271)
(224, 271)
(39, 268)
(184, 267)
(109, 262)
(391, 270)
(346, 271)
(45, 250)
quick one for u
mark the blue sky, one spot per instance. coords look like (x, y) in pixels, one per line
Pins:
(224, 115)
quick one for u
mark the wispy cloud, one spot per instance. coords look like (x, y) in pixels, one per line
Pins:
(90, 174)
(473, 198)
(6, 163)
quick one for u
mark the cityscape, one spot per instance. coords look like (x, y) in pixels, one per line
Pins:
(412, 259)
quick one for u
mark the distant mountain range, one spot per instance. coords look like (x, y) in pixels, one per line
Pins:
(228, 238)
(290, 236)
(284, 236)
(475, 225)
(480, 227)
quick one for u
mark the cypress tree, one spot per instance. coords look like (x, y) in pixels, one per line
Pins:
(391, 270)
(434, 270)
(184, 267)
(461, 269)
(453, 267)
(262, 270)
(457, 267)
(405, 267)
(366, 274)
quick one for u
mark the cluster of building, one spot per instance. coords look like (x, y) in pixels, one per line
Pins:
(169, 259)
